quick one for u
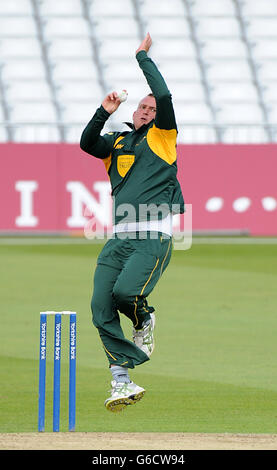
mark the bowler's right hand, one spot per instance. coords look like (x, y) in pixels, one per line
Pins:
(111, 102)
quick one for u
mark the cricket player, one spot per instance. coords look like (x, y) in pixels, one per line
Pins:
(141, 164)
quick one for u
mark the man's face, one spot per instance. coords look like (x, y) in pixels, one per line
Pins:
(145, 112)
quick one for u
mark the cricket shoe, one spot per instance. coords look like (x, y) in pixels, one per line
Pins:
(144, 338)
(122, 395)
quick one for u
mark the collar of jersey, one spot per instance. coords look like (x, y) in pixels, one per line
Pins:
(141, 129)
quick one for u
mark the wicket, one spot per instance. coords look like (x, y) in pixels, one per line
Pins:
(57, 370)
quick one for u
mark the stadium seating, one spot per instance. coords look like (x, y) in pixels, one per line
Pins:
(174, 8)
(214, 7)
(60, 58)
(16, 7)
(266, 7)
(64, 8)
(20, 26)
(120, 8)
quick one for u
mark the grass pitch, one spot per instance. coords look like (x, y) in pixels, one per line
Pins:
(214, 365)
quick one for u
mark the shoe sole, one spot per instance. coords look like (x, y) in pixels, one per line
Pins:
(119, 404)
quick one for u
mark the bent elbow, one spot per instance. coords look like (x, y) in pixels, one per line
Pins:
(83, 146)
(83, 143)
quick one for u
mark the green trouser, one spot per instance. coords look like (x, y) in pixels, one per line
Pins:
(127, 271)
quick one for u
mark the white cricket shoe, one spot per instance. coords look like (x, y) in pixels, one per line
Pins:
(144, 338)
(123, 394)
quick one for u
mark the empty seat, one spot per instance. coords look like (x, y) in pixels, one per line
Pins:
(118, 27)
(36, 133)
(164, 48)
(268, 70)
(223, 48)
(3, 134)
(70, 48)
(229, 70)
(23, 69)
(188, 134)
(73, 133)
(33, 112)
(172, 26)
(217, 27)
(187, 112)
(164, 8)
(270, 91)
(234, 91)
(188, 91)
(244, 135)
(28, 90)
(264, 49)
(16, 7)
(88, 90)
(23, 47)
(60, 7)
(117, 48)
(262, 27)
(65, 26)
(73, 69)
(17, 26)
(124, 71)
(273, 112)
(240, 113)
(79, 112)
(264, 7)
(212, 7)
(108, 8)
(187, 70)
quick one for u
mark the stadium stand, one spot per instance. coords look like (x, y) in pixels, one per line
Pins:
(58, 59)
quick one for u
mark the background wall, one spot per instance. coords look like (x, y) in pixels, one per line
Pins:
(50, 187)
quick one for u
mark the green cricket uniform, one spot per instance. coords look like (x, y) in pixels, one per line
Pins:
(142, 168)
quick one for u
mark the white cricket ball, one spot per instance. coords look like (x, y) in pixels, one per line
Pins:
(122, 95)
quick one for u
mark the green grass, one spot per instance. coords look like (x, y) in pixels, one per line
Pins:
(214, 365)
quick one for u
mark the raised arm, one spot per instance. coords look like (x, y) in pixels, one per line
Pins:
(165, 117)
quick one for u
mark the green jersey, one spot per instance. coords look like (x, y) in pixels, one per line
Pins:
(142, 163)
